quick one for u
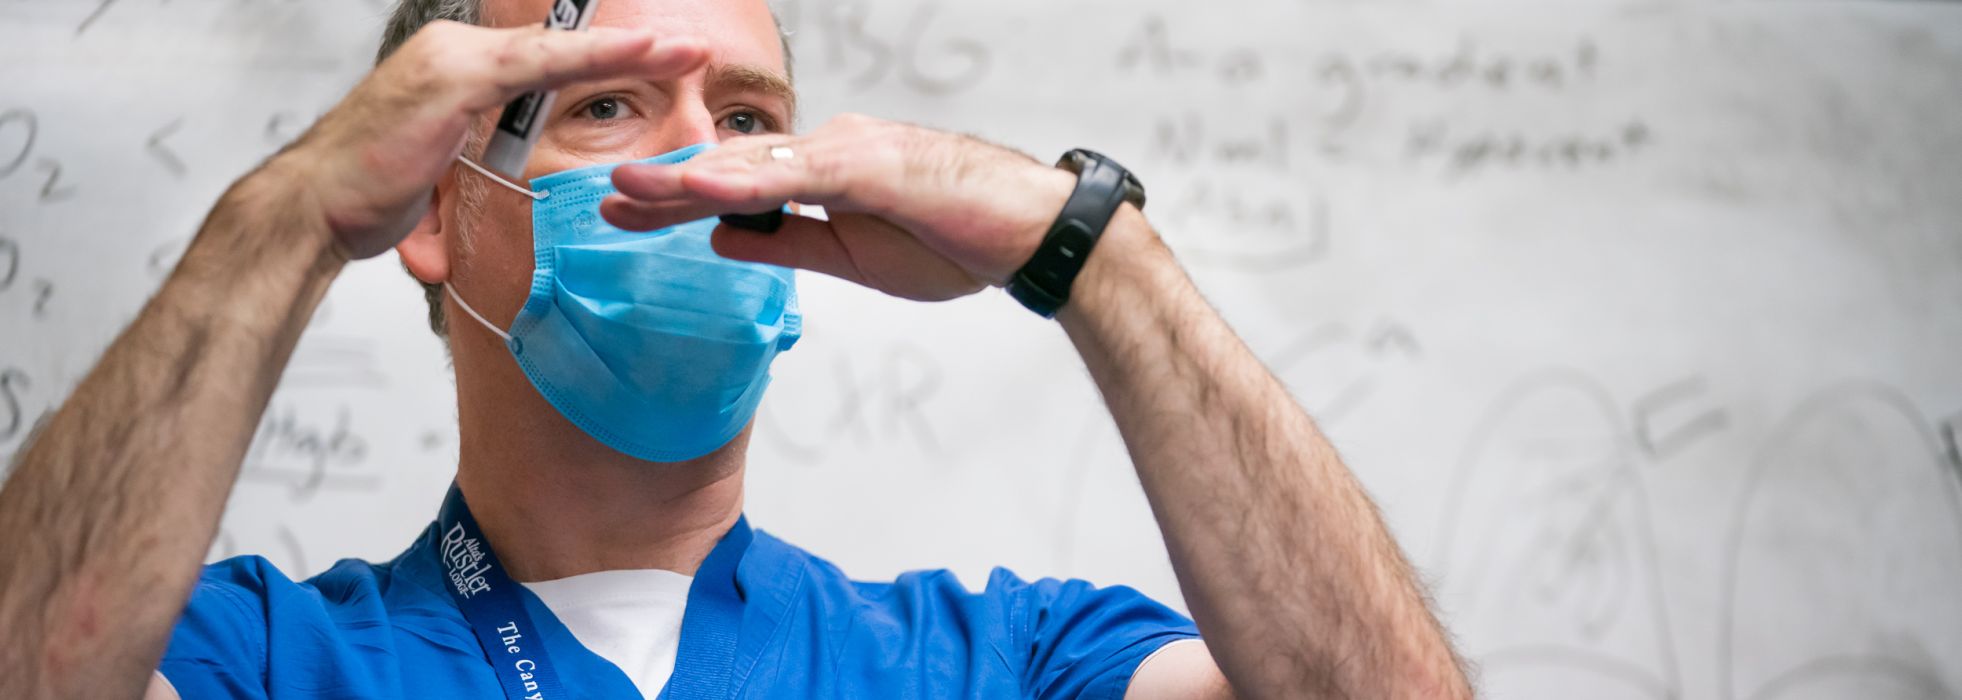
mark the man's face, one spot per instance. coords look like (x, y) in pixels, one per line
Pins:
(742, 89)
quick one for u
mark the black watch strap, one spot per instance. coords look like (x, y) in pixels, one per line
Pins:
(1043, 283)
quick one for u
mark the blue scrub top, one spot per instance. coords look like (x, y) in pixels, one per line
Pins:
(391, 630)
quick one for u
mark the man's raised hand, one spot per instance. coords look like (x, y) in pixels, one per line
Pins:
(369, 164)
(915, 213)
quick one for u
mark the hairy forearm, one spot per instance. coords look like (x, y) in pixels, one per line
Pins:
(1286, 565)
(111, 507)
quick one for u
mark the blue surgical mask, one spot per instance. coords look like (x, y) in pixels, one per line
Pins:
(648, 341)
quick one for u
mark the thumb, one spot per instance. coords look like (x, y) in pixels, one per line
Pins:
(803, 243)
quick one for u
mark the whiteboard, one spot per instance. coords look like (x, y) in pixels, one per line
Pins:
(1640, 320)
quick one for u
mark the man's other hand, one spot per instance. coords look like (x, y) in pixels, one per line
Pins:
(913, 212)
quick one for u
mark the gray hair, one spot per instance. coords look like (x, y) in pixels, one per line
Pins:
(412, 15)
(409, 17)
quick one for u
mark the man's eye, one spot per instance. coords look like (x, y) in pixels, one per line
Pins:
(744, 122)
(604, 108)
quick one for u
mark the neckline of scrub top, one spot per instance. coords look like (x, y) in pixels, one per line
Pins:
(492, 605)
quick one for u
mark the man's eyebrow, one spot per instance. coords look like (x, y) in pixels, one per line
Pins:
(741, 77)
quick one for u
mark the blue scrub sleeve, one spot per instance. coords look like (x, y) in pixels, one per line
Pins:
(218, 649)
(1084, 641)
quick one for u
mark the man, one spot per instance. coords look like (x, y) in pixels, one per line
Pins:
(597, 373)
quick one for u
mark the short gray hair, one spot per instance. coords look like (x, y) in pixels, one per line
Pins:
(411, 16)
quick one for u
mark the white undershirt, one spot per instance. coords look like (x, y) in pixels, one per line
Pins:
(630, 617)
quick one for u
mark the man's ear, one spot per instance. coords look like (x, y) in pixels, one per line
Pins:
(426, 250)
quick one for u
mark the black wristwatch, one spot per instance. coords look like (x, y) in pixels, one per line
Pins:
(1043, 283)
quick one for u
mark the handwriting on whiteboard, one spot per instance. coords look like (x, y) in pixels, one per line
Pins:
(19, 131)
(309, 453)
(1351, 87)
(877, 402)
(920, 52)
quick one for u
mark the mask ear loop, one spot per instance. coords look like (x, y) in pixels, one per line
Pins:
(473, 313)
(500, 179)
(515, 187)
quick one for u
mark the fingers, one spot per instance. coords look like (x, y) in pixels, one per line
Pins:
(535, 59)
(749, 175)
(802, 243)
(857, 248)
(489, 67)
(635, 215)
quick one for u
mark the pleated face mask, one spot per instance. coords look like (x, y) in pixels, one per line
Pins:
(648, 341)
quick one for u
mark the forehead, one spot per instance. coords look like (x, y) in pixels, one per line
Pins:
(735, 31)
